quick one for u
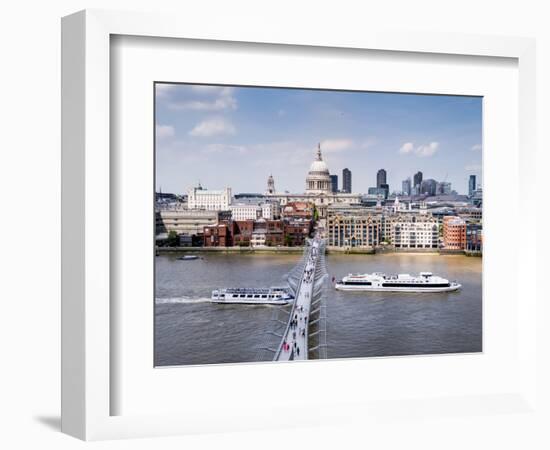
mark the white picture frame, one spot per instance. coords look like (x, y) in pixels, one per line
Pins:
(87, 384)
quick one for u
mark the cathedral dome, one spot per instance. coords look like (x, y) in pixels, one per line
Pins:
(319, 166)
(318, 178)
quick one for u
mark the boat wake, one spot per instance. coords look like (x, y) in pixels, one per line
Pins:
(181, 300)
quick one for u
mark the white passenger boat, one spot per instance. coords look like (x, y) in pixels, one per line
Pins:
(425, 282)
(253, 296)
(187, 258)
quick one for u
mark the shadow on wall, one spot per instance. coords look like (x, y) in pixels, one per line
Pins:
(51, 422)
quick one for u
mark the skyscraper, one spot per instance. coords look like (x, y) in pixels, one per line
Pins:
(346, 180)
(443, 188)
(380, 178)
(471, 185)
(417, 179)
(385, 187)
(406, 186)
(334, 183)
(428, 187)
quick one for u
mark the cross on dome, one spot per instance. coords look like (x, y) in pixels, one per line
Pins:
(319, 155)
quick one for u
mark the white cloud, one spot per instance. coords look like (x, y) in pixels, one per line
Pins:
(205, 98)
(211, 89)
(163, 90)
(421, 151)
(165, 131)
(427, 150)
(225, 148)
(406, 148)
(476, 148)
(335, 145)
(217, 104)
(213, 127)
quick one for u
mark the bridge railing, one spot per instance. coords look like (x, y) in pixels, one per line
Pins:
(307, 252)
(280, 319)
(317, 329)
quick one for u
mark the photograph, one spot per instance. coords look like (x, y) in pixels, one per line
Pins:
(294, 223)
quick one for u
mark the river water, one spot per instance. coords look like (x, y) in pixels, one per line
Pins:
(191, 330)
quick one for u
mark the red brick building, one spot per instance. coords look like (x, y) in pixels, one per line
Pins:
(298, 210)
(296, 232)
(220, 235)
(243, 230)
(272, 230)
(454, 233)
(261, 232)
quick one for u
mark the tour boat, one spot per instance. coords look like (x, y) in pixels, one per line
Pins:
(252, 296)
(425, 282)
(188, 258)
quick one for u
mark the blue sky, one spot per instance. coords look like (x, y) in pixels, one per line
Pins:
(238, 136)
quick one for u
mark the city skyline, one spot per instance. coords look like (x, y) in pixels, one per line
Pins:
(251, 133)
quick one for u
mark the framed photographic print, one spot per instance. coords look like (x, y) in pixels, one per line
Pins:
(246, 212)
(241, 273)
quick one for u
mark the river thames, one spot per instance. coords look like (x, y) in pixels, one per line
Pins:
(191, 330)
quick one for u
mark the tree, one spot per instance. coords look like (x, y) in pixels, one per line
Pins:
(173, 239)
(315, 214)
(288, 241)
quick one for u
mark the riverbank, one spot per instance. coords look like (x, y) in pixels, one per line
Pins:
(262, 250)
(237, 250)
(329, 250)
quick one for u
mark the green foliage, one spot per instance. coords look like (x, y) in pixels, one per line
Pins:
(173, 239)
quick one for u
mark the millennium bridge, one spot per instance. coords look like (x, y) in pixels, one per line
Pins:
(299, 331)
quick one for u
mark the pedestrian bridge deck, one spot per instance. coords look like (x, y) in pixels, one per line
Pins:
(294, 343)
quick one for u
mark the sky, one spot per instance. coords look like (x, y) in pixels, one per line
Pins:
(224, 136)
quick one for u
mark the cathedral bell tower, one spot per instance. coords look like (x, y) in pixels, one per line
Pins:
(270, 185)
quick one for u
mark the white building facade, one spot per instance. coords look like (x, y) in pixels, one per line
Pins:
(184, 221)
(245, 211)
(253, 211)
(271, 210)
(421, 234)
(209, 200)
